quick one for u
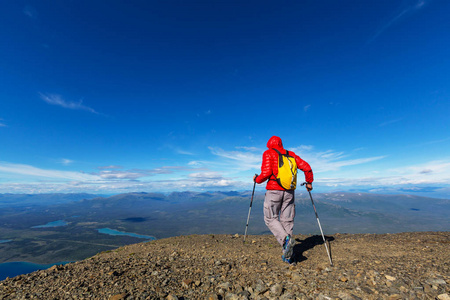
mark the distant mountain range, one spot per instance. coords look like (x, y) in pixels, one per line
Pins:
(80, 216)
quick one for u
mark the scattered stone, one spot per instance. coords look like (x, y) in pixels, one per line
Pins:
(347, 296)
(224, 285)
(53, 268)
(390, 278)
(118, 296)
(186, 283)
(324, 297)
(276, 289)
(220, 267)
(287, 296)
(366, 290)
(296, 277)
(436, 281)
(231, 296)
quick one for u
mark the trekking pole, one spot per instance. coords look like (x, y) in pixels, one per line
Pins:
(318, 222)
(249, 210)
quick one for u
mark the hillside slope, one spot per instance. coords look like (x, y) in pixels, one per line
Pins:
(366, 266)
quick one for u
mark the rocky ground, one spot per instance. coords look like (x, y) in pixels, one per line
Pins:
(366, 266)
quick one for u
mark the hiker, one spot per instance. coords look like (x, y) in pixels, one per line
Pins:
(279, 205)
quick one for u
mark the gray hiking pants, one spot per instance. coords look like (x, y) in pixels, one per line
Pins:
(279, 213)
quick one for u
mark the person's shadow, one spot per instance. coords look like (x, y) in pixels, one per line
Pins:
(310, 242)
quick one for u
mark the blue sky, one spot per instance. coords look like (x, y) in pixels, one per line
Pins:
(121, 96)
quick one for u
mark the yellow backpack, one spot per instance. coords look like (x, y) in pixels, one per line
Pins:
(287, 171)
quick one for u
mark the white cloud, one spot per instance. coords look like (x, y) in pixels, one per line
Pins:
(30, 12)
(389, 122)
(227, 170)
(115, 174)
(233, 162)
(429, 173)
(307, 107)
(204, 113)
(179, 151)
(59, 101)
(435, 142)
(66, 161)
(403, 12)
(206, 175)
(252, 149)
(433, 173)
(111, 167)
(37, 172)
(197, 181)
(243, 160)
(329, 160)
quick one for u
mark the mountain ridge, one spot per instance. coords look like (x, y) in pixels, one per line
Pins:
(162, 216)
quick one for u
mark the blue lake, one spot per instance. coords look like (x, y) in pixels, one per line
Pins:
(116, 232)
(58, 223)
(12, 269)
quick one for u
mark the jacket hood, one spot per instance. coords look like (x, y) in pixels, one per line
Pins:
(275, 142)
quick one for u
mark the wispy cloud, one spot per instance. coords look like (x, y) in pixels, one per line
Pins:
(2, 124)
(114, 179)
(176, 148)
(30, 12)
(54, 99)
(307, 107)
(406, 9)
(330, 160)
(183, 152)
(243, 160)
(320, 161)
(38, 172)
(193, 183)
(389, 122)
(66, 161)
(428, 173)
(109, 167)
(111, 180)
(116, 172)
(204, 113)
(435, 141)
(252, 149)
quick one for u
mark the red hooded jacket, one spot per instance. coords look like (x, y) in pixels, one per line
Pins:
(269, 167)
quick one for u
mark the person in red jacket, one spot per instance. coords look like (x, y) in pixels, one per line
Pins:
(279, 203)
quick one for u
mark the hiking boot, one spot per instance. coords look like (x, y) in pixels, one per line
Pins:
(288, 247)
(288, 260)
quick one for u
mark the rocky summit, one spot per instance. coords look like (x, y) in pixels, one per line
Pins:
(365, 266)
